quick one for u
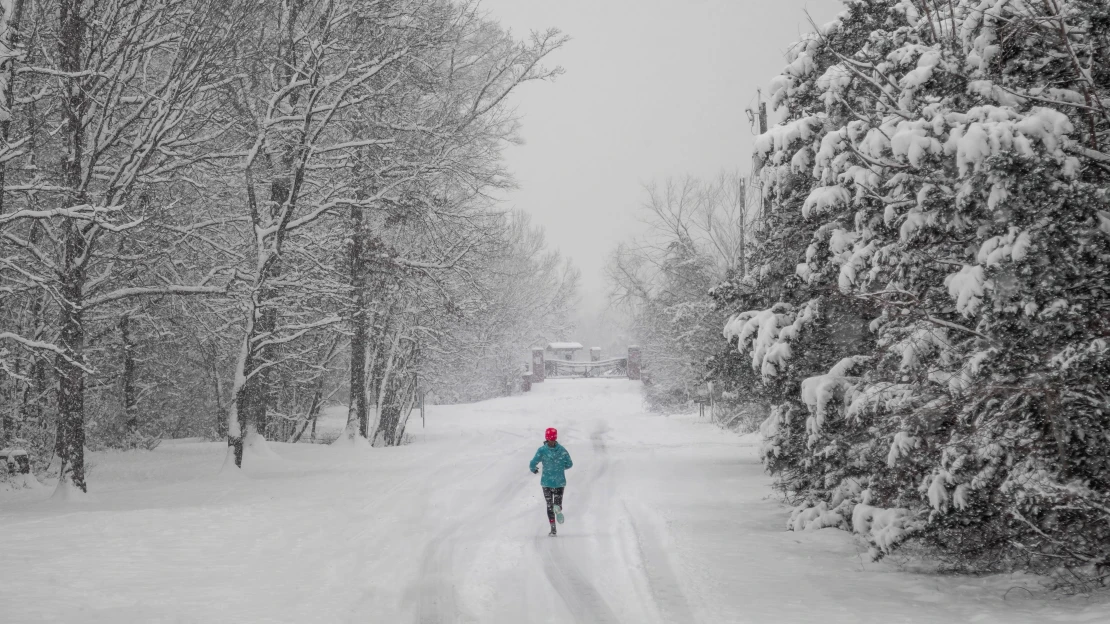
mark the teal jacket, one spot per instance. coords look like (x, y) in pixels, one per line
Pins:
(555, 462)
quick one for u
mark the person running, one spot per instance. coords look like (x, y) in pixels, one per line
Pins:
(555, 460)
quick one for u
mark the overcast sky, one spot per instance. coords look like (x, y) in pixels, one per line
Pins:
(653, 88)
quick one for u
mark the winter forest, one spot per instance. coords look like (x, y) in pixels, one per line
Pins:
(257, 206)
(272, 284)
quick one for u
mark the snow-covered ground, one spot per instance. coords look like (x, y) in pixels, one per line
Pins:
(668, 520)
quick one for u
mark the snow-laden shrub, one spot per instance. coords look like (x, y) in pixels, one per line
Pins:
(929, 304)
(806, 518)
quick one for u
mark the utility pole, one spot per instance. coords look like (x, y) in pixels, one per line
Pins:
(757, 159)
(743, 235)
(761, 117)
(758, 120)
(762, 112)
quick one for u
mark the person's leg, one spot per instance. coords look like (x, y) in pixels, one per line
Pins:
(558, 499)
(549, 496)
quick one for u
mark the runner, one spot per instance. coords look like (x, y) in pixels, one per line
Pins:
(555, 460)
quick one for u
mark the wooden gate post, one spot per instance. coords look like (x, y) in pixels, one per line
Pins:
(537, 365)
(634, 363)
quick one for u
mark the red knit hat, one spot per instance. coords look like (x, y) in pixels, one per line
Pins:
(550, 434)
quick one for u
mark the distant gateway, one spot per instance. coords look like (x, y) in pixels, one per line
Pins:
(560, 364)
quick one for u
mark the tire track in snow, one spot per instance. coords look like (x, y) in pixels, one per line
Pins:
(579, 595)
(438, 601)
(437, 592)
(666, 591)
(367, 541)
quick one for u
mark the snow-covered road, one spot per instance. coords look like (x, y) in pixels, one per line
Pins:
(668, 520)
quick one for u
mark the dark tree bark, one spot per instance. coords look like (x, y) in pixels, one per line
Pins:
(14, 20)
(131, 417)
(71, 376)
(359, 322)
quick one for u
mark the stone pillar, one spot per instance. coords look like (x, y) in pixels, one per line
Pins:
(537, 365)
(595, 354)
(634, 363)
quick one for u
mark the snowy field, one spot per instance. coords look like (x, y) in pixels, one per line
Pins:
(668, 520)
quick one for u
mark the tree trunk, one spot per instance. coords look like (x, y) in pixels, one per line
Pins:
(237, 410)
(252, 388)
(131, 418)
(408, 395)
(387, 423)
(11, 41)
(70, 440)
(357, 413)
(253, 399)
(394, 393)
(259, 389)
(380, 386)
(7, 419)
(71, 375)
(257, 394)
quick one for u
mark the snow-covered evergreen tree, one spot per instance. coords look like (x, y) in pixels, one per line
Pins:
(929, 301)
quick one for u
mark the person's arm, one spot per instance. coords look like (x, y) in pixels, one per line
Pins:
(535, 460)
(566, 458)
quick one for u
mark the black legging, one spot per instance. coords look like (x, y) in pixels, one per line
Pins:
(553, 496)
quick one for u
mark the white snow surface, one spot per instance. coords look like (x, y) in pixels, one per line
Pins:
(668, 519)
